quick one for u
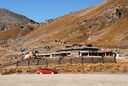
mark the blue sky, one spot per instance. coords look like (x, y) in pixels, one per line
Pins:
(40, 10)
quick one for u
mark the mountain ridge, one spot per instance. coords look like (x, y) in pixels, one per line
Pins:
(9, 19)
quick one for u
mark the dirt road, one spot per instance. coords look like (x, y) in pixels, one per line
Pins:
(64, 80)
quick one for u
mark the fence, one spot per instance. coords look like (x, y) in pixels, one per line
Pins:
(59, 61)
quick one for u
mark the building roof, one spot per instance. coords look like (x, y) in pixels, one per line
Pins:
(104, 51)
(79, 48)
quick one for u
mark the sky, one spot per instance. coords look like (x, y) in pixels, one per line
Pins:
(41, 10)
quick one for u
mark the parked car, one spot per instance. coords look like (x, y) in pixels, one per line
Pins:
(46, 71)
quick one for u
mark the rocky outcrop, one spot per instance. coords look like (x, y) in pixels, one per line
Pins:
(111, 15)
(46, 22)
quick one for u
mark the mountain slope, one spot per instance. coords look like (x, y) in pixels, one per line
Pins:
(90, 25)
(103, 25)
(10, 19)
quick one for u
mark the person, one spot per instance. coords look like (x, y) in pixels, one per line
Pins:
(22, 50)
(36, 53)
(31, 54)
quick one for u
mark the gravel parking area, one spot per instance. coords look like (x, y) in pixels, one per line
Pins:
(64, 80)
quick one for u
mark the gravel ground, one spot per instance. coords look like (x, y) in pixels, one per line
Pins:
(64, 80)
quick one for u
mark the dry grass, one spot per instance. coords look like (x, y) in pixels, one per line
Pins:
(120, 67)
(65, 26)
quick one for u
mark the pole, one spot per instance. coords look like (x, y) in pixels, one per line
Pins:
(102, 59)
(46, 62)
(28, 62)
(82, 61)
(92, 60)
(115, 58)
(38, 62)
(70, 61)
(60, 61)
(17, 63)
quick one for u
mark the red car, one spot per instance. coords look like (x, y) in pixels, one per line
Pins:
(46, 71)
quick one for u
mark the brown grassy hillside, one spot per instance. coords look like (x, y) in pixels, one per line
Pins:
(103, 25)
